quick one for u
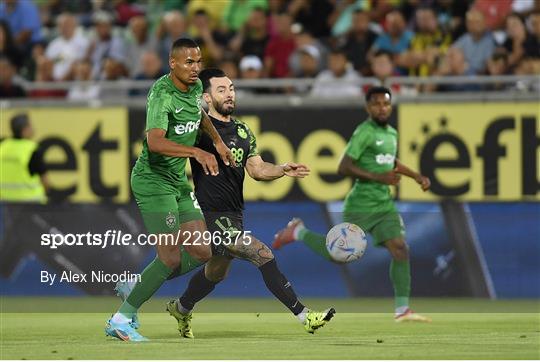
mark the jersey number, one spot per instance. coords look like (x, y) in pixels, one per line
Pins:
(238, 154)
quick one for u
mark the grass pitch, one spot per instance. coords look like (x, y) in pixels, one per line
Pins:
(72, 328)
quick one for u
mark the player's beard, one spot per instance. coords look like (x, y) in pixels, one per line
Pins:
(224, 110)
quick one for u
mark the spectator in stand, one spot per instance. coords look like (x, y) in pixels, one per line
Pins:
(24, 22)
(279, 49)
(359, 40)
(172, 27)
(455, 64)
(495, 12)
(113, 70)
(237, 12)
(44, 73)
(105, 44)
(396, 39)
(302, 39)
(151, 69)
(8, 88)
(138, 42)
(151, 66)
(340, 80)
(310, 59)
(382, 68)
(211, 42)
(253, 37)
(532, 43)
(28, 70)
(477, 44)
(428, 45)
(515, 41)
(69, 46)
(82, 70)
(125, 10)
(451, 16)
(316, 17)
(214, 9)
(8, 48)
(251, 67)
(229, 66)
(498, 65)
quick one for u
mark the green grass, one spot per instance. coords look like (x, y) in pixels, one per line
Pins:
(470, 329)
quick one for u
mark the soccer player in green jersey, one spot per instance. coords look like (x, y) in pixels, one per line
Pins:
(159, 182)
(370, 157)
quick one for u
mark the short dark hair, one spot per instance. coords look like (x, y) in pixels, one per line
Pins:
(338, 50)
(18, 123)
(377, 90)
(183, 43)
(209, 73)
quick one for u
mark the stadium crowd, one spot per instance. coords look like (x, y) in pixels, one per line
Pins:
(334, 42)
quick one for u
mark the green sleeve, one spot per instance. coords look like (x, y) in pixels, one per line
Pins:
(358, 143)
(157, 110)
(252, 143)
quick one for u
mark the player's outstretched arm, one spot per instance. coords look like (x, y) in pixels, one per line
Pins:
(423, 181)
(260, 170)
(157, 143)
(348, 168)
(222, 149)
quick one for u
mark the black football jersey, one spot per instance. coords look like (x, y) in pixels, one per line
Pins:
(224, 192)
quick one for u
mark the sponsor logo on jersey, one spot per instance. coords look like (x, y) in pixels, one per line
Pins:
(385, 159)
(178, 110)
(187, 127)
(242, 133)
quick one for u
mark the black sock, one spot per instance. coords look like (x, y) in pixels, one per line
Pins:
(198, 288)
(280, 286)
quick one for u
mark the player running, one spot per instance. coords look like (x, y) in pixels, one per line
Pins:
(159, 183)
(370, 157)
(222, 201)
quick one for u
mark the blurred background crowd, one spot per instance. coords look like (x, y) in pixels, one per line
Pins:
(334, 42)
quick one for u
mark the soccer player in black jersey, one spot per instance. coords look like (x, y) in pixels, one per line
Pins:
(222, 202)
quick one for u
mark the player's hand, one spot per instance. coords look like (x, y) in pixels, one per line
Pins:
(295, 170)
(225, 154)
(423, 181)
(389, 178)
(208, 162)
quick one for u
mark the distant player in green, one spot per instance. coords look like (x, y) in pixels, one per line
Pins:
(370, 157)
(159, 182)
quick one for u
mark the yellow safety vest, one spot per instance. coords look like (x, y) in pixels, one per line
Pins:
(16, 182)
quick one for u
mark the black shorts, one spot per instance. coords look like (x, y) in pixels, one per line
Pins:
(225, 226)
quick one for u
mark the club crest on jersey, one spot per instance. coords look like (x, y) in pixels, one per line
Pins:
(242, 133)
(187, 127)
(170, 220)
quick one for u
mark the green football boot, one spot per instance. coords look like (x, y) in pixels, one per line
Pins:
(184, 320)
(315, 320)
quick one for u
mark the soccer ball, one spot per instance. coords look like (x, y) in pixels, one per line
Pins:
(346, 242)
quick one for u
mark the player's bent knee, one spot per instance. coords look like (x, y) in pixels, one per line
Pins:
(171, 260)
(202, 253)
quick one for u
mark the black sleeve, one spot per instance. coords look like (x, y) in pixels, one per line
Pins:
(36, 164)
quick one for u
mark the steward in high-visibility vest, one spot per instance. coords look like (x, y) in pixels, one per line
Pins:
(19, 181)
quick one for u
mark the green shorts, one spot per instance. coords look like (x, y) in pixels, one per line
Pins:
(163, 214)
(383, 226)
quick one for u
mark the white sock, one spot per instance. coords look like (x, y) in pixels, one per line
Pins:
(402, 309)
(297, 230)
(302, 315)
(120, 318)
(181, 308)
